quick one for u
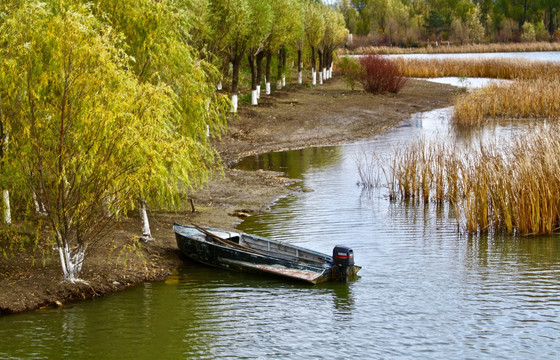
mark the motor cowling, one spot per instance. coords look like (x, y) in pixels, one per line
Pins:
(343, 258)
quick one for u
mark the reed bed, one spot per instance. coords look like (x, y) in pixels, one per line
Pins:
(461, 49)
(487, 68)
(511, 187)
(520, 99)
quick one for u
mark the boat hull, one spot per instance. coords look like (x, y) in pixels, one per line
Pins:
(200, 248)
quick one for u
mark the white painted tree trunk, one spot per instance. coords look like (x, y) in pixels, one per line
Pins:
(267, 85)
(233, 103)
(219, 86)
(71, 262)
(6, 192)
(300, 77)
(254, 97)
(313, 78)
(320, 78)
(279, 85)
(325, 76)
(283, 80)
(350, 38)
(259, 91)
(146, 232)
(39, 207)
(7, 211)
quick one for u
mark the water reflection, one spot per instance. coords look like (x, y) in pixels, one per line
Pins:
(294, 163)
(425, 291)
(425, 287)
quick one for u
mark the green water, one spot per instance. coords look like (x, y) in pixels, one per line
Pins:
(425, 290)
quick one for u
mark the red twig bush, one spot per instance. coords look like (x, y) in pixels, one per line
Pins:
(380, 75)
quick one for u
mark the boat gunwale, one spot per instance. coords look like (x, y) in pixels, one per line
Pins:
(326, 259)
(315, 265)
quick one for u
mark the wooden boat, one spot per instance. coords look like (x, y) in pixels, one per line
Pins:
(245, 252)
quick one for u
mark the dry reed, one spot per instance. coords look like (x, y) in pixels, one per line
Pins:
(451, 49)
(488, 68)
(520, 99)
(533, 94)
(512, 187)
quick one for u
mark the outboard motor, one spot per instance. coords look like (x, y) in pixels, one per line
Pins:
(343, 258)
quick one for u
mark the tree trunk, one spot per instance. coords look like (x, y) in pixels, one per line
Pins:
(71, 261)
(300, 66)
(324, 65)
(313, 67)
(284, 57)
(146, 232)
(5, 192)
(253, 67)
(236, 62)
(280, 70)
(6, 203)
(550, 20)
(39, 206)
(259, 59)
(267, 75)
(320, 53)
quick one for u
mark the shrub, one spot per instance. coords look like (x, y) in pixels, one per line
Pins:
(351, 70)
(380, 75)
(528, 33)
(556, 36)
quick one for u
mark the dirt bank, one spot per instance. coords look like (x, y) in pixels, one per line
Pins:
(295, 117)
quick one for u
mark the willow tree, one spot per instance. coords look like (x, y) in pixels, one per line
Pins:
(6, 8)
(314, 31)
(157, 37)
(298, 38)
(70, 103)
(334, 36)
(230, 23)
(281, 32)
(260, 25)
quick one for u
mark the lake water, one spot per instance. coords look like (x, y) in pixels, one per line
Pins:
(425, 290)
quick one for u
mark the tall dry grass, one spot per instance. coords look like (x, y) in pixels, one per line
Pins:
(488, 68)
(511, 187)
(520, 99)
(533, 93)
(462, 49)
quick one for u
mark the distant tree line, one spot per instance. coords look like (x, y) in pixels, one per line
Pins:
(410, 22)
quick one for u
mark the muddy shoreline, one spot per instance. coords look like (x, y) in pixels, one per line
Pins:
(294, 117)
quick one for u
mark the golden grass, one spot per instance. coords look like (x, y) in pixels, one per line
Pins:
(452, 49)
(512, 188)
(520, 99)
(488, 68)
